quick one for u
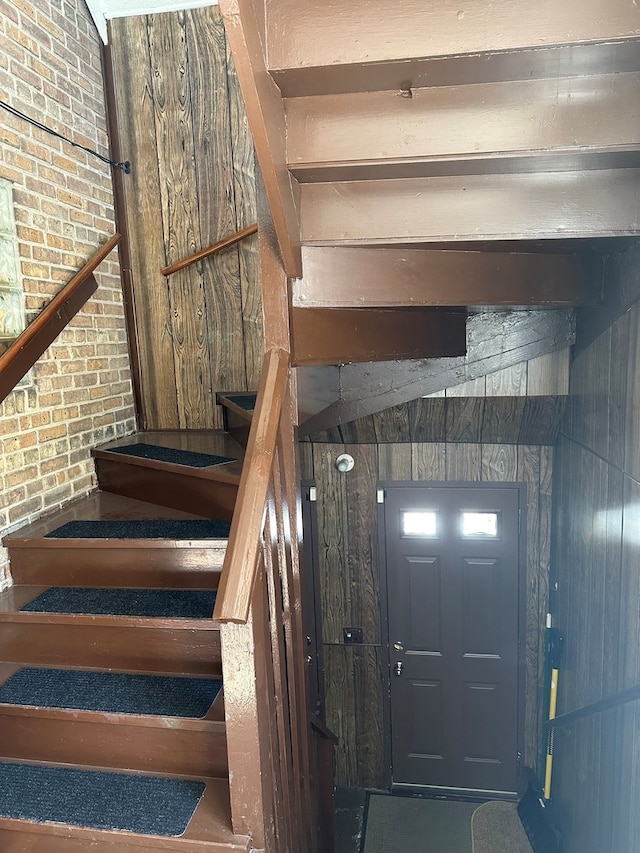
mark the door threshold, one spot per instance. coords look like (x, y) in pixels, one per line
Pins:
(442, 792)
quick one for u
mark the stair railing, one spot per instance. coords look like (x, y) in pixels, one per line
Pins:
(27, 348)
(210, 250)
(263, 658)
(630, 694)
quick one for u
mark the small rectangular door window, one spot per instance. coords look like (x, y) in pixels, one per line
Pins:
(483, 525)
(420, 523)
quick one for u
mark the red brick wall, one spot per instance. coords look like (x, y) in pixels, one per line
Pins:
(80, 391)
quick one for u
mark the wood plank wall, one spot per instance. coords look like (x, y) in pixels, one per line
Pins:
(183, 126)
(596, 563)
(349, 567)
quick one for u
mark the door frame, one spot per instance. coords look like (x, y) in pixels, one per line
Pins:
(522, 628)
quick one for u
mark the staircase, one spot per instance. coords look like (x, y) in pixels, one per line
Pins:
(99, 659)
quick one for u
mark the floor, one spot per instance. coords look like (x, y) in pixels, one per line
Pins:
(349, 819)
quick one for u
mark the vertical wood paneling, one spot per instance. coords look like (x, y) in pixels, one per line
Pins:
(363, 557)
(207, 60)
(463, 462)
(428, 461)
(549, 374)
(178, 193)
(130, 46)
(332, 545)
(508, 382)
(182, 125)
(597, 565)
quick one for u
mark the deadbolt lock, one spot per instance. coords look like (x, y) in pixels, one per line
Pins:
(399, 667)
(398, 646)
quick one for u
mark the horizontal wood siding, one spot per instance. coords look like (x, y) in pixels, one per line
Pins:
(183, 127)
(597, 785)
(350, 567)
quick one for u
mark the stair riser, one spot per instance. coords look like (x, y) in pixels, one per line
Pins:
(122, 649)
(47, 564)
(22, 837)
(208, 498)
(96, 743)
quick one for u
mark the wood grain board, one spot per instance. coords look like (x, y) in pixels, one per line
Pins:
(182, 125)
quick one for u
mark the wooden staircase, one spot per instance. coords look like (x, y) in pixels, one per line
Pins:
(138, 489)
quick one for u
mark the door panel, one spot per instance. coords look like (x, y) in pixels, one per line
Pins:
(452, 588)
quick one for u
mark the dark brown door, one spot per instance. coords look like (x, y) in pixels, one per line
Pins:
(452, 585)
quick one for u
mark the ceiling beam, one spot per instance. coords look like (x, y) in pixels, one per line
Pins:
(303, 33)
(386, 277)
(495, 340)
(465, 129)
(547, 205)
(575, 60)
(344, 335)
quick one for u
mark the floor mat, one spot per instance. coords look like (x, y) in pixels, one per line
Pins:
(145, 804)
(171, 454)
(111, 692)
(151, 603)
(148, 529)
(414, 825)
(495, 827)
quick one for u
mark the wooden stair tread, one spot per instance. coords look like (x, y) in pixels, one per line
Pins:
(214, 442)
(98, 505)
(209, 830)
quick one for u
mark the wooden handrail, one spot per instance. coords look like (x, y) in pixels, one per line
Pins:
(211, 250)
(631, 694)
(245, 537)
(27, 348)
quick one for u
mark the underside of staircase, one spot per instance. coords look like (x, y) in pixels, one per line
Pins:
(110, 660)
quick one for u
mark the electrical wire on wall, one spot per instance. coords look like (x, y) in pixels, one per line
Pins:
(124, 165)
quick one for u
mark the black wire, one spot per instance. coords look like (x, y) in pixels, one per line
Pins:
(125, 165)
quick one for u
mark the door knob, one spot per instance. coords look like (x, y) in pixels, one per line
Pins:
(398, 668)
(398, 646)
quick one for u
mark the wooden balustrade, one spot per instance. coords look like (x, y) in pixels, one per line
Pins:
(272, 748)
(27, 348)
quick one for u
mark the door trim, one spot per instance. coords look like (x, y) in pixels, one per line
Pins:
(522, 633)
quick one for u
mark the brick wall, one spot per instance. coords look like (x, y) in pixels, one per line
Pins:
(80, 391)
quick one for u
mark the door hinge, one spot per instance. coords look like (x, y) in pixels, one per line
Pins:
(313, 494)
(380, 496)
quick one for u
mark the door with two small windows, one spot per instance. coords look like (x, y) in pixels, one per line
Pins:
(453, 558)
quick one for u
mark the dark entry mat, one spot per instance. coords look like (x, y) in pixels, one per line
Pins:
(150, 805)
(148, 529)
(245, 401)
(151, 603)
(111, 692)
(171, 454)
(415, 825)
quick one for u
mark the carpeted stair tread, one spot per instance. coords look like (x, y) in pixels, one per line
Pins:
(173, 455)
(151, 603)
(110, 692)
(149, 805)
(244, 401)
(162, 528)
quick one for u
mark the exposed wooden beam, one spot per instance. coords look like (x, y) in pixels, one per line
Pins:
(575, 60)
(494, 340)
(343, 335)
(601, 203)
(384, 277)
(266, 119)
(465, 129)
(490, 420)
(302, 33)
